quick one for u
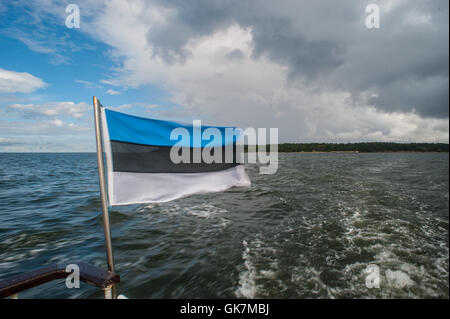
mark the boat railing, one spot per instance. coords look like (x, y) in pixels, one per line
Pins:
(92, 275)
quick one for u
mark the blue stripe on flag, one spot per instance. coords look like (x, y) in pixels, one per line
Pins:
(132, 129)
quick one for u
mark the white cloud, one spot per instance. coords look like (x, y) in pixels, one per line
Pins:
(58, 139)
(57, 122)
(50, 109)
(112, 92)
(47, 135)
(247, 91)
(87, 84)
(7, 141)
(19, 82)
(223, 81)
(121, 107)
(149, 106)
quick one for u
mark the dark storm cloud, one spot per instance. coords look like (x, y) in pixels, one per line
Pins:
(192, 19)
(301, 54)
(326, 44)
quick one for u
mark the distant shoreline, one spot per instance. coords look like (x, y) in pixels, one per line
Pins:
(355, 148)
(331, 148)
(322, 152)
(356, 152)
(334, 152)
(377, 152)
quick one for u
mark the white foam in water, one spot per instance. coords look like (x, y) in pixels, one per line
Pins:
(205, 210)
(247, 285)
(137, 265)
(148, 206)
(268, 274)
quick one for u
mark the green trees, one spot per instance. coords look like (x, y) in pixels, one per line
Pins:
(362, 147)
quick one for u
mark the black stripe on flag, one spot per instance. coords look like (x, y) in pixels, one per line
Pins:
(137, 158)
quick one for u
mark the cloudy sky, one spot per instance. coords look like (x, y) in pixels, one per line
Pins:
(310, 68)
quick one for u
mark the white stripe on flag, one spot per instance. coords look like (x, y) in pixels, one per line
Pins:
(139, 188)
(108, 155)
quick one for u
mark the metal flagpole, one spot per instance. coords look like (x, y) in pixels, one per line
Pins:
(102, 180)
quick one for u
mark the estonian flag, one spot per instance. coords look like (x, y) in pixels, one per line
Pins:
(139, 165)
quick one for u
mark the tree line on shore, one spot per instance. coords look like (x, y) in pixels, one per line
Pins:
(368, 147)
